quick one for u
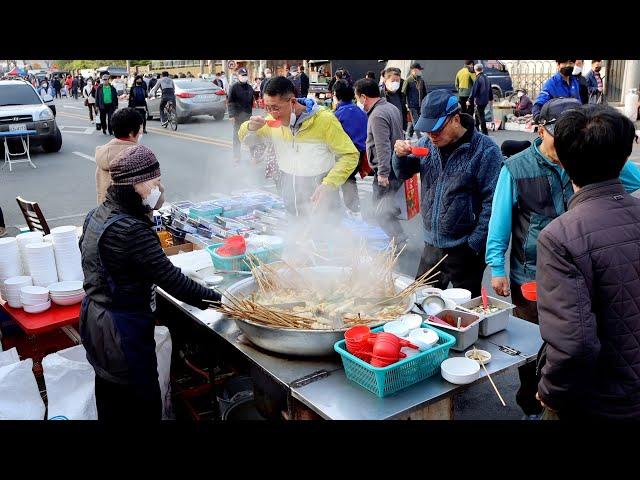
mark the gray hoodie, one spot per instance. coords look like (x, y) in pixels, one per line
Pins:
(384, 127)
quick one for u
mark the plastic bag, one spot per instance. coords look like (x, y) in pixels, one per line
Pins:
(19, 395)
(163, 354)
(71, 382)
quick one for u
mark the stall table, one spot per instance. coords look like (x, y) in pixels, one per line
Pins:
(317, 387)
(34, 324)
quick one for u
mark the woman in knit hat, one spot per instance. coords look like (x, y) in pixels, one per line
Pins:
(123, 262)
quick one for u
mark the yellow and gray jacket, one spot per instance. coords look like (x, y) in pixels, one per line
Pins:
(314, 150)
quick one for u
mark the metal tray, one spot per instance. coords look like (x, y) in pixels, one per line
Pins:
(295, 341)
(493, 322)
(465, 336)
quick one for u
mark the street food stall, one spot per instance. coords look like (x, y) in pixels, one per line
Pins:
(289, 319)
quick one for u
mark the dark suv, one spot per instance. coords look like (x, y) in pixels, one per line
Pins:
(442, 74)
(21, 108)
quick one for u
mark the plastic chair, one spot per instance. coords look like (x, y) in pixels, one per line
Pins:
(33, 216)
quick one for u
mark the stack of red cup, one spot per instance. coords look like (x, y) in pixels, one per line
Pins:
(357, 341)
(379, 349)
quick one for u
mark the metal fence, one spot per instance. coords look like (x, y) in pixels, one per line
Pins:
(530, 74)
(615, 78)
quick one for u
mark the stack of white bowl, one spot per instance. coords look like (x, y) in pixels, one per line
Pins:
(35, 299)
(42, 263)
(10, 264)
(67, 293)
(23, 240)
(12, 287)
(67, 251)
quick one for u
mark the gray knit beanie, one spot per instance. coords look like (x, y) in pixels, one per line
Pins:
(134, 165)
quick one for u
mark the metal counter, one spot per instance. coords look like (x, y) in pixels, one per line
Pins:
(320, 383)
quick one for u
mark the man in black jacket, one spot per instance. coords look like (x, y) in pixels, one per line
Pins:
(240, 107)
(107, 103)
(304, 83)
(392, 91)
(123, 261)
(415, 90)
(588, 276)
(481, 95)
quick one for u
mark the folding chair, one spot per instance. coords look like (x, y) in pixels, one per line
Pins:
(33, 215)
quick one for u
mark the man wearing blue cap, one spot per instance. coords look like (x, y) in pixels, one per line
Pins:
(532, 190)
(458, 177)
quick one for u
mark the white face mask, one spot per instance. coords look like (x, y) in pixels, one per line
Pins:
(360, 105)
(392, 86)
(577, 70)
(267, 75)
(152, 199)
(520, 94)
(243, 78)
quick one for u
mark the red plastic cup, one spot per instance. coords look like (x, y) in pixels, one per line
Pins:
(383, 361)
(420, 151)
(357, 334)
(530, 291)
(273, 123)
(386, 345)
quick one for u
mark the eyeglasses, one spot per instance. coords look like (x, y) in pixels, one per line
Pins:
(441, 129)
(273, 108)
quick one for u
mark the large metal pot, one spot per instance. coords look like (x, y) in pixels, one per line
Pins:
(293, 341)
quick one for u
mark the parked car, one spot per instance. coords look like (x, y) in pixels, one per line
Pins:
(194, 96)
(120, 86)
(442, 74)
(21, 108)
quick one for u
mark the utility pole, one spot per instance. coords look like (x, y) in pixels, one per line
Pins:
(201, 67)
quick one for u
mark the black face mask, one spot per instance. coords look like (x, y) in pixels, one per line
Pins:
(139, 82)
(597, 69)
(566, 71)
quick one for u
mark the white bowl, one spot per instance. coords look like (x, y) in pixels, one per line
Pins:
(483, 353)
(409, 352)
(411, 320)
(37, 308)
(65, 229)
(64, 287)
(15, 283)
(423, 338)
(460, 370)
(68, 300)
(67, 294)
(397, 328)
(33, 290)
(457, 295)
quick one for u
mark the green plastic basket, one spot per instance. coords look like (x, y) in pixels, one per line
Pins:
(388, 380)
(238, 262)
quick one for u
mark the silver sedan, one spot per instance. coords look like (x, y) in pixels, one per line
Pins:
(194, 96)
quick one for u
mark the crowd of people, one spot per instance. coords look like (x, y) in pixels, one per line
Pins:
(477, 198)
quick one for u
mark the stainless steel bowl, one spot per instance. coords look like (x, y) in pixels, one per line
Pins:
(293, 341)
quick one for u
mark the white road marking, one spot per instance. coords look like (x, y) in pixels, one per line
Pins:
(75, 108)
(74, 129)
(84, 155)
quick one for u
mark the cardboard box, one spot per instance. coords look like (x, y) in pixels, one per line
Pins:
(184, 248)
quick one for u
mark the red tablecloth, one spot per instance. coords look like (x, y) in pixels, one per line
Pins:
(33, 323)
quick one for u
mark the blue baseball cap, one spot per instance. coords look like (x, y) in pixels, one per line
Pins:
(436, 107)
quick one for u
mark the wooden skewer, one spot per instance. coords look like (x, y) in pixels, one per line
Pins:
(488, 375)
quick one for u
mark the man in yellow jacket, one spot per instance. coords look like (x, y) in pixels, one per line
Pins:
(464, 82)
(315, 155)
